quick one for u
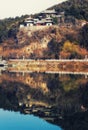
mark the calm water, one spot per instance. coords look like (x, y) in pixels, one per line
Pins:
(35, 101)
(16, 121)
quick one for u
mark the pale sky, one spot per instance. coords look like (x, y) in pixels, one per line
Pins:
(13, 8)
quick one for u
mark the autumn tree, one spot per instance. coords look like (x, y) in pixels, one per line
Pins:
(72, 49)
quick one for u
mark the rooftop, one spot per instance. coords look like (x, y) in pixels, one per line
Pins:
(49, 11)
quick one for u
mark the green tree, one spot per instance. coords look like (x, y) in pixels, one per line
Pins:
(54, 48)
(55, 20)
(84, 36)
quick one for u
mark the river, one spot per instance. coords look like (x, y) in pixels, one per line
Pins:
(43, 101)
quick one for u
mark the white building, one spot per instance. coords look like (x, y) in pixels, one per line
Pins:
(49, 21)
(29, 22)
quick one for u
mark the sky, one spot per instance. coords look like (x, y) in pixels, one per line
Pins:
(13, 8)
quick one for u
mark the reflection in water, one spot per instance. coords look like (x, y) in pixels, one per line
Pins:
(59, 99)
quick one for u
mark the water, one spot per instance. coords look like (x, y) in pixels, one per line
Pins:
(16, 121)
(38, 101)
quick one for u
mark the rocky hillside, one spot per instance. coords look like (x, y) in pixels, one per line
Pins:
(49, 42)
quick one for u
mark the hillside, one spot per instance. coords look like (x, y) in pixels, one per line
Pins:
(48, 43)
(9, 27)
(76, 8)
(62, 40)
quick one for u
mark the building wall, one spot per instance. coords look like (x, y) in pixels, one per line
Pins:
(21, 25)
(33, 28)
(48, 24)
(30, 24)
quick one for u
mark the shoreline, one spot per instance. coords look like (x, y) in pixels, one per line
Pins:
(73, 65)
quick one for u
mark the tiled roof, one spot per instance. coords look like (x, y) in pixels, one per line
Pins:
(49, 11)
